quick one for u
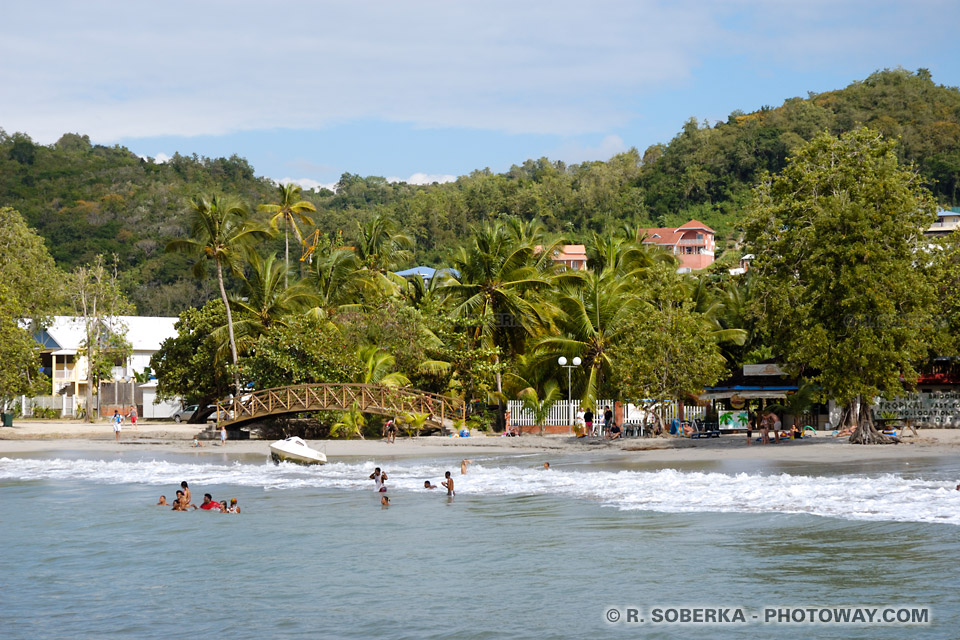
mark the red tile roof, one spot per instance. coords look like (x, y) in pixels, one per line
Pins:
(695, 224)
(671, 235)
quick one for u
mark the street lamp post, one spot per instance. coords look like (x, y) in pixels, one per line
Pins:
(562, 361)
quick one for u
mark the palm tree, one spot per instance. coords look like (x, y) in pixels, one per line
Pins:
(351, 423)
(220, 233)
(593, 317)
(289, 209)
(377, 367)
(343, 284)
(381, 246)
(499, 288)
(540, 403)
(265, 300)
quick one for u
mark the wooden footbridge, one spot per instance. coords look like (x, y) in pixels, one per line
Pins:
(368, 398)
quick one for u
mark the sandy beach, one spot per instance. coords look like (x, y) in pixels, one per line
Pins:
(158, 437)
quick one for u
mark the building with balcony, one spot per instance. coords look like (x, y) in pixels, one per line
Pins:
(62, 351)
(948, 221)
(692, 243)
(571, 256)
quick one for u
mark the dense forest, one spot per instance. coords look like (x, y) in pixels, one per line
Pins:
(87, 199)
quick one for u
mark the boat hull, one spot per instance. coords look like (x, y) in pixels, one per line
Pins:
(296, 451)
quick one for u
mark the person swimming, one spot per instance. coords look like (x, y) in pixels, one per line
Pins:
(546, 465)
(209, 504)
(180, 503)
(384, 501)
(163, 501)
(427, 485)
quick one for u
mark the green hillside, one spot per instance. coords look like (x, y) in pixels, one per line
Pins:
(87, 199)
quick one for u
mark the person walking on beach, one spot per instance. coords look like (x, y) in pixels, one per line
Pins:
(133, 416)
(117, 420)
(448, 484)
(223, 436)
(765, 429)
(588, 422)
(390, 428)
(607, 419)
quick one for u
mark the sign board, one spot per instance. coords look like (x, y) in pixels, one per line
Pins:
(733, 419)
(938, 409)
(762, 370)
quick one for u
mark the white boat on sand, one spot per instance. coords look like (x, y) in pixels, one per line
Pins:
(294, 449)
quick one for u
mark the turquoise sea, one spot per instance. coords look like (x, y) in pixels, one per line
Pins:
(520, 552)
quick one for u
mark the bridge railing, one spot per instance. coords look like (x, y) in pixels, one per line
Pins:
(341, 397)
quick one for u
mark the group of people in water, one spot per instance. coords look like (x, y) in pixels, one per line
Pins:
(379, 478)
(182, 502)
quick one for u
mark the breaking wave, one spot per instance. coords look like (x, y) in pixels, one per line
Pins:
(854, 497)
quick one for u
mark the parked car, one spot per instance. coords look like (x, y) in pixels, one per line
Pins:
(184, 414)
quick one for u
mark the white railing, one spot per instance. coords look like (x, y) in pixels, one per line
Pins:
(66, 404)
(560, 413)
(64, 374)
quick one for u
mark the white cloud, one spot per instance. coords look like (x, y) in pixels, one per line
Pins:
(307, 183)
(424, 178)
(608, 147)
(134, 70)
(565, 67)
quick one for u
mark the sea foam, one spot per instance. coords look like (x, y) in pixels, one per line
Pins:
(856, 497)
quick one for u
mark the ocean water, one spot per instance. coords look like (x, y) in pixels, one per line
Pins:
(520, 552)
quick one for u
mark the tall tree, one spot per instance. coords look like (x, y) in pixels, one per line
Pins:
(497, 290)
(30, 288)
(221, 233)
(840, 278)
(381, 245)
(289, 209)
(665, 352)
(98, 300)
(189, 365)
(265, 301)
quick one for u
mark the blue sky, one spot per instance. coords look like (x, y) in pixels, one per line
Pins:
(431, 89)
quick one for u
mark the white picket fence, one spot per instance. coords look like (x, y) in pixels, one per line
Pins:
(66, 404)
(561, 412)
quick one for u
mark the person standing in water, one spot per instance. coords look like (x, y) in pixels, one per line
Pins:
(448, 484)
(463, 466)
(186, 492)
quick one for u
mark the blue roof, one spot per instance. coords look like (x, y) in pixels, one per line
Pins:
(425, 272)
(742, 388)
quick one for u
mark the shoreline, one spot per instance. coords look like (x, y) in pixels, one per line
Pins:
(161, 437)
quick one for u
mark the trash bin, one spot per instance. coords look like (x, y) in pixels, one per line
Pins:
(7, 419)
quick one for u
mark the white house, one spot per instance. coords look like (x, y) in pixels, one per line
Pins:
(64, 360)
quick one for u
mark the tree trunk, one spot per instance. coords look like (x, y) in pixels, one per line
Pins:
(286, 255)
(233, 343)
(866, 432)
